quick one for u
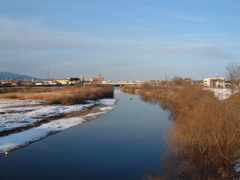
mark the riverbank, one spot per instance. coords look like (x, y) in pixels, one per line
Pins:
(125, 143)
(68, 95)
(27, 121)
(28, 114)
(204, 138)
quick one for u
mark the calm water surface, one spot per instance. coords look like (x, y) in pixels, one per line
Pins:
(125, 143)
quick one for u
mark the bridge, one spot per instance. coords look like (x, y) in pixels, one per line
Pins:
(116, 83)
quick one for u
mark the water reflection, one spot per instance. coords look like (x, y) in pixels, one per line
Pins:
(163, 103)
(122, 144)
(202, 144)
(190, 163)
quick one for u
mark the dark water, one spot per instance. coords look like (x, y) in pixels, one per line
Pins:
(125, 143)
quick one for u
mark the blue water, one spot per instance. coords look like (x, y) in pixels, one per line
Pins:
(125, 143)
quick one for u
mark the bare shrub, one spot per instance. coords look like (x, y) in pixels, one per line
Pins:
(178, 81)
(129, 89)
(233, 104)
(206, 137)
(233, 74)
(146, 86)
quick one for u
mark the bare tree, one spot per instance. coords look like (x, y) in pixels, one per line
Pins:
(233, 75)
(178, 81)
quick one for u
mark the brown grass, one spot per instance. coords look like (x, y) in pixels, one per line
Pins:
(66, 95)
(27, 89)
(205, 135)
(204, 139)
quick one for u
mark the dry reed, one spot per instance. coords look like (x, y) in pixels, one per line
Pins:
(66, 95)
(205, 135)
(204, 138)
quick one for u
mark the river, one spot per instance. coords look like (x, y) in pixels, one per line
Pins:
(126, 143)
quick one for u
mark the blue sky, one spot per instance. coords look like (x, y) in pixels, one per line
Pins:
(127, 39)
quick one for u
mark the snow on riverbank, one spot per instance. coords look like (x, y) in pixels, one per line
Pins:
(5, 103)
(11, 118)
(221, 94)
(237, 165)
(16, 117)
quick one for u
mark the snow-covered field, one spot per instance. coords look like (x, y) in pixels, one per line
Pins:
(16, 114)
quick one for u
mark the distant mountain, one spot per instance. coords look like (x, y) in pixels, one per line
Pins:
(8, 75)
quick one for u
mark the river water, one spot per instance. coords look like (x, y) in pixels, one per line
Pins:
(126, 143)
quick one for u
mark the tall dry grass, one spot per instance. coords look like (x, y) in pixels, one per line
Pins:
(27, 89)
(206, 135)
(66, 95)
(204, 139)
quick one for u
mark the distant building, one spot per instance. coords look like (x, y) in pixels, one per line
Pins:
(47, 82)
(214, 82)
(82, 78)
(97, 79)
(63, 81)
(6, 83)
(154, 82)
(39, 83)
(139, 82)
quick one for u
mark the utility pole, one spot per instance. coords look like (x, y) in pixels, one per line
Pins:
(48, 74)
(166, 78)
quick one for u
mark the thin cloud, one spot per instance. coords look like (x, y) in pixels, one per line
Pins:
(20, 34)
(32, 34)
(21, 54)
(210, 50)
(156, 12)
(183, 16)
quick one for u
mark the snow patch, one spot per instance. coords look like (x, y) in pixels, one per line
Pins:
(4, 103)
(107, 101)
(14, 141)
(237, 165)
(12, 117)
(221, 94)
(103, 101)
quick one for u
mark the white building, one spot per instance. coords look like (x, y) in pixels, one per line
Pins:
(214, 82)
(63, 81)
